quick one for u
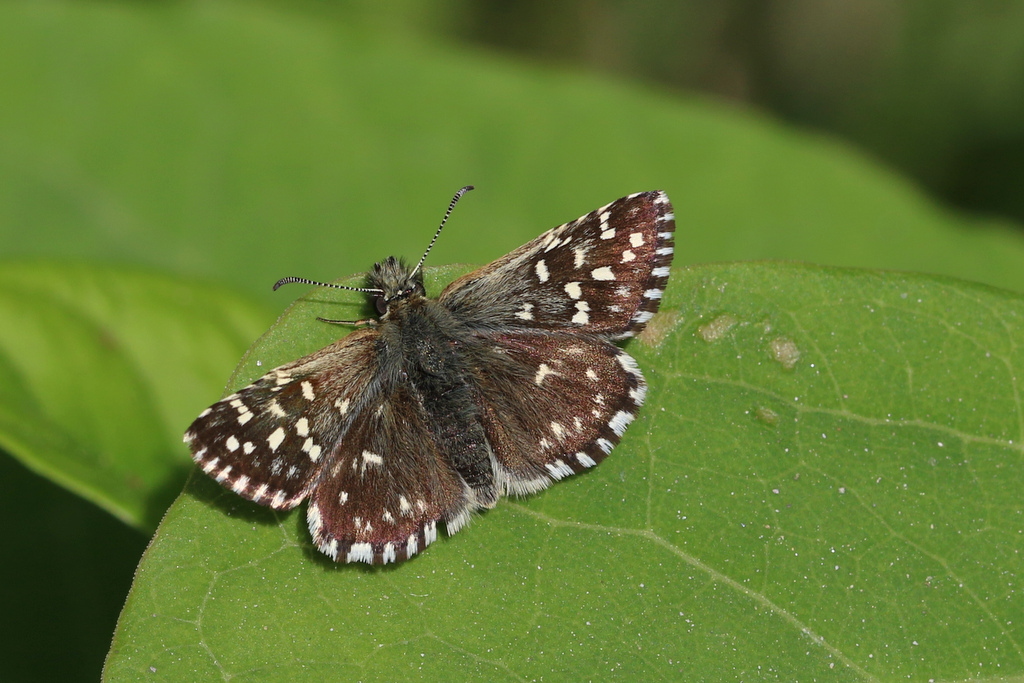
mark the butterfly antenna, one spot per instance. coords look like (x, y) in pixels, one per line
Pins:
(451, 206)
(289, 280)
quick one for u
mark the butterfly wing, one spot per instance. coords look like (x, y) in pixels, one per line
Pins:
(554, 404)
(268, 441)
(387, 486)
(603, 273)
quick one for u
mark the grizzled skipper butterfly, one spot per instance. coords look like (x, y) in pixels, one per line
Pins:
(506, 382)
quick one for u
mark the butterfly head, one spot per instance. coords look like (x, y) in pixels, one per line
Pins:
(392, 280)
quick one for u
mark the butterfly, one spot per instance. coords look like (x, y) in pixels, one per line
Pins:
(506, 383)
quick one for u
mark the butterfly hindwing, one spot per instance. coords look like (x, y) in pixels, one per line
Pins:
(603, 273)
(387, 486)
(555, 404)
(268, 441)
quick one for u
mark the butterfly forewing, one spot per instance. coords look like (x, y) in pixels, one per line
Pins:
(603, 273)
(268, 441)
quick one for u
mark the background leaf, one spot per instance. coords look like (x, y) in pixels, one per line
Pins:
(824, 479)
(100, 367)
(244, 142)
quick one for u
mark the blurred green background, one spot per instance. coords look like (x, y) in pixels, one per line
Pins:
(235, 143)
(932, 88)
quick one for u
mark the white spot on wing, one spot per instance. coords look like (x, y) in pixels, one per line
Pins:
(389, 553)
(307, 391)
(620, 421)
(581, 316)
(275, 439)
(585, 460)
(232, 444)
(628, 364)
(526, 313)
(302, 427)
(558, 469)
(543, 371)
(661, 271)
(607, 233)
(602, 273)
(542, 271)
(574, 290)
(628, 256)
(636, 239)
(360, 552)
(372, 459)
(342, 406)
(241, 484)
(311, 449)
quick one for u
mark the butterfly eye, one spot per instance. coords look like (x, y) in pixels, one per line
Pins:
(381, 303)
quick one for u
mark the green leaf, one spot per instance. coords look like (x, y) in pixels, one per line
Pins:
(825, 479)
(244, 142)
(101, 369)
